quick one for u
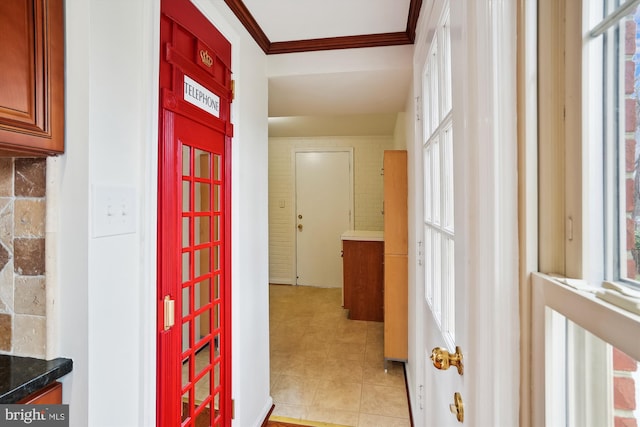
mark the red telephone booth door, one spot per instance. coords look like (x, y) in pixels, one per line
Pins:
(194, 329)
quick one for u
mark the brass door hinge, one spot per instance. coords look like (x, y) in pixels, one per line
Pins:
(233, 409)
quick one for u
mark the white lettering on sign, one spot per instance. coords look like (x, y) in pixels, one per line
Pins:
(201, 97)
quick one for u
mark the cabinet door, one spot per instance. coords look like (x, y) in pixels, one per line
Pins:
(363, 279)
(395, 307)
(395, 202)
(32, 82)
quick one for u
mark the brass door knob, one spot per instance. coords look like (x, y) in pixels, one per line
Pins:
(442, 359)
(300, 227)
(457, 407)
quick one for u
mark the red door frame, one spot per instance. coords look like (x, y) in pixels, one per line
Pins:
(185, 33)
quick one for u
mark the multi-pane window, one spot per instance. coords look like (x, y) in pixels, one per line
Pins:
(611, 138)
(438, 180)
(614, 26)
(613, 39)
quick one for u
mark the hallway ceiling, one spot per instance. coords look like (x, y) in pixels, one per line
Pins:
(358, 57)
(285, 26)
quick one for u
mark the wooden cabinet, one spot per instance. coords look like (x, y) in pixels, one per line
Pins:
(395, 256)
(363, 278)
(31, 77)
(50, 395)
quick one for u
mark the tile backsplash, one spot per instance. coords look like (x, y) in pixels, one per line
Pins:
(22, 256)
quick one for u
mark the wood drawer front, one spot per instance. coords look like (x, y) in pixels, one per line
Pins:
(50, 395)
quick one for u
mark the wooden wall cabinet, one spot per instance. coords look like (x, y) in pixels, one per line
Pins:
(31, 77)
(395, 256)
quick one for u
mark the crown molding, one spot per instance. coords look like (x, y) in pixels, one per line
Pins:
(346, 42)
(330, 43)
(412, 21)
(249, 22)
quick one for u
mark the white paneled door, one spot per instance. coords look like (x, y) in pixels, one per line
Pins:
(323, 212)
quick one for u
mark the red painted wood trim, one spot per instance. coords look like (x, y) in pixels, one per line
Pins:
(189, 16)
(330, 43)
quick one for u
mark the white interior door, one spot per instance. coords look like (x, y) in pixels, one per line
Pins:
(323, 212)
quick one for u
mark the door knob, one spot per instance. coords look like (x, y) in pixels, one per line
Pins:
(442, 359)
(300, 227)
(457, 407)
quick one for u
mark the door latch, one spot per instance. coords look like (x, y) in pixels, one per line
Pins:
(169, 312)
(457, 408)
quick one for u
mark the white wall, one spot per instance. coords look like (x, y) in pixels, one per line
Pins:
(368, 192)
(400, 134)
(250, 221)
(102, 300)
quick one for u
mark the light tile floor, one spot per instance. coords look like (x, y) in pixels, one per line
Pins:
(327, 368)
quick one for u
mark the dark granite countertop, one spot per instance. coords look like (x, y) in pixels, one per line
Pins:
(21, 376)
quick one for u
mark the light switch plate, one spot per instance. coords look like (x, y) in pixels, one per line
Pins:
(114, 210)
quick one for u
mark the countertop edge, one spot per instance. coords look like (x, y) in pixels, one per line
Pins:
(62, 367)
(363, 236)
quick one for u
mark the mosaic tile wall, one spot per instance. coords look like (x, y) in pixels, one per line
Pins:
(22, 257)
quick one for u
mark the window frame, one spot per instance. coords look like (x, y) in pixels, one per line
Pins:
(565, 243)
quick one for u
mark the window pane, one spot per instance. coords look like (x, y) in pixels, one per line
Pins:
(428, 265)
(621, 66)
(426, 102)
(217, 167)
(435, 179)
(434, 83)
(445, 48)
(597, 384)
(448, 288)
(437, 275)
(186, 160)
(627, 83)
(427, 185)
(447, 178)
(202, 165)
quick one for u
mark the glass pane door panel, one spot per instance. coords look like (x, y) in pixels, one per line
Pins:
(428, 198)
(200, 255)
(217, 167)
(202, 167)
(436, 180)
(202, 190)
(216, 228)
(202, 230)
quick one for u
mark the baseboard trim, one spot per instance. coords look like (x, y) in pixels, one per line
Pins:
(280, 281)
(406, 385)
(306, 423)
(266, 420)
